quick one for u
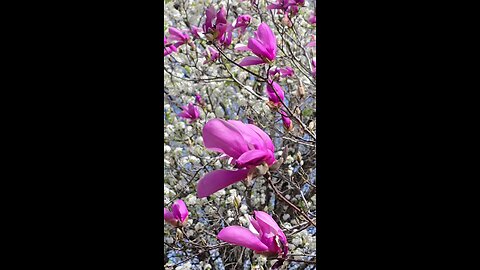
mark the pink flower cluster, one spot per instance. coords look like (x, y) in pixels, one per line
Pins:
(248, 147)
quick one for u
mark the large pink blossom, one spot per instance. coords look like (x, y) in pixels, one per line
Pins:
(264, 236)
(246, 144)
(263, 45)
(179, 214)
(190, 112)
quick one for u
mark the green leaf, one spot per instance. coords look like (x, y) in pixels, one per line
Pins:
(307, 112)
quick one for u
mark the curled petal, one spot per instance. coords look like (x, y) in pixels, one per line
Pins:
(250, 61)
(241, 237)
(216, 180)
(241, 47)
(252, 158)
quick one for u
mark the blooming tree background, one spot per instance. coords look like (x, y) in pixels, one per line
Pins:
(198, 64)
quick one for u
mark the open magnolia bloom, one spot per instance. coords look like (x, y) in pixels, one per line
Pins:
(264, 236)
(190, 112)
(179, 214)
(251, 151)
(263, 45)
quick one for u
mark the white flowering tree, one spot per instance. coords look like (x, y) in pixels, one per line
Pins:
(226, 68)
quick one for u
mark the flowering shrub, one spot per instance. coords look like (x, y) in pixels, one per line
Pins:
(239, 134)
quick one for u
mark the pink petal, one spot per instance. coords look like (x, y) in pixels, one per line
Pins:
(250, 136)
(179, 210)
(241, 47)
(210, 14)
(252, 158)
(223, 137)
(264, 136)
(259, 49)
(250, 61)
(167, 215)
(184, 114)
(222, 16)
(241, 237)
(266, 222)
(265, 34)
(176, 34)
(216, 180)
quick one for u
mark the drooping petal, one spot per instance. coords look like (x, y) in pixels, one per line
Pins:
(241, 236)
(179, 210)
(241, 47)
(216, 180)
(220, 136)
(252, 158)
(266, 36)
(250, 61)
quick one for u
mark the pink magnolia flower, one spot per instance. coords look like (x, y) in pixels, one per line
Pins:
(284, 72)
(179, 214)
(312, 19)
(190, 112)
(199, 100)
(169, 48)
(178, 36)
(219, 30)
(287, 123)
(211, 55)
(242, 22)
(264, 236)
(272, 97)
(263, 45)
(246, 144)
